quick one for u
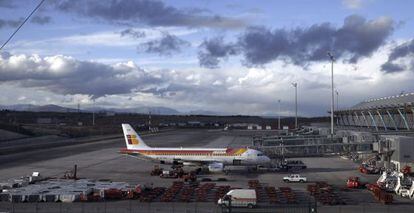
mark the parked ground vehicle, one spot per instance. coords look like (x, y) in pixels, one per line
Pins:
(168, 174)
(294, 178)
(353, 183)
(239, 198)
(292, 165)
(369, 169)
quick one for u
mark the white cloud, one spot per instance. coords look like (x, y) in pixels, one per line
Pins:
(352, 4)
(66, 80)
(106, 38)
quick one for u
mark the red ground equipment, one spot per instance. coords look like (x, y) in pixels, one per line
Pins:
(353, 183)
(368, 169)
(406, 170)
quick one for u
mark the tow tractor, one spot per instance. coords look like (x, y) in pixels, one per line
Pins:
(353, 183)
(368, 169)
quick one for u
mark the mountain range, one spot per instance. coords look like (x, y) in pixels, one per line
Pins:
(156, 110)
(140, 110)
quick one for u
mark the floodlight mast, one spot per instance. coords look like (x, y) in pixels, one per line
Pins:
(278, 121)
(331, 57)
(295, 84)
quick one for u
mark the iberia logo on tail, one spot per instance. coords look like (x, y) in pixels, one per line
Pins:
(132, 140)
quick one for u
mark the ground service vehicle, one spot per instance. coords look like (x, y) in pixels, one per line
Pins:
(239, 198)
(294, 178)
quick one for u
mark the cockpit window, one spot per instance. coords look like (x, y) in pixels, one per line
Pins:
(260, 154)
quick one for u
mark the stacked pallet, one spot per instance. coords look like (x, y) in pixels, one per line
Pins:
(202, 191)
(288, 194)
(271, 194)
(379, 194)
(169, 195)
(186, 193)
(325, 194)
(257, 186)
(150, 195)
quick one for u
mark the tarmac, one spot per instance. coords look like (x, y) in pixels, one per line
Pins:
(101, 161)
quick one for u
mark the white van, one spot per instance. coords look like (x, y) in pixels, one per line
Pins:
(239, 198)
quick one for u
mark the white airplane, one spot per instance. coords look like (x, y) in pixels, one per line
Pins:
(214, 158)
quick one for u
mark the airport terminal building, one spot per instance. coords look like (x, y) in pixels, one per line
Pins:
(394, 113)
(389, 121)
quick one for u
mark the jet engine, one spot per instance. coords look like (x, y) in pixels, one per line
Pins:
(216, 167)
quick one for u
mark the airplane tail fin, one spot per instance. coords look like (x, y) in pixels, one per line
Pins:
(132, 139)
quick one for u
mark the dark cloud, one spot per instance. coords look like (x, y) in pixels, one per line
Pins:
(360, 37)
(150, 12)
(133, 33)
(166, 45)
(398, 52)
(355, 39)
(402, 50)
(68, 76)
(9, 23)
(7, 4)
(391, 67)
(213, 50)
(65, 75)
(41, 20)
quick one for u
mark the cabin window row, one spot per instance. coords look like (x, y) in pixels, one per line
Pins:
(187, 154)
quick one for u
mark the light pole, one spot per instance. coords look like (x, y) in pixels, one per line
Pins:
(149, 120)
(93, 113)
(337, 105)
(295, 84)
(337, 99)
(331, 57)
(278, 121)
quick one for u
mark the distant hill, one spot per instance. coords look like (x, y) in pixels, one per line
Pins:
(139, 110)
(36, 108)
(53, 108)
(57, 108)
(156, 110)
(204, 112)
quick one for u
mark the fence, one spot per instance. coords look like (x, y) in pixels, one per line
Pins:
(135, 206)
(195, 207)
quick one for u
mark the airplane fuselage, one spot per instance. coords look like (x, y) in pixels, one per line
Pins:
(227, 156)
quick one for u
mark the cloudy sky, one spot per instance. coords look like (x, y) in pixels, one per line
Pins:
(236, 57)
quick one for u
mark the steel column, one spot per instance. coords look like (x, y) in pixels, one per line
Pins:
(348, 120)
(353, 119)
(405, 120)
(351, 122)
(373, 120)
(342, 120)
(359, 121)
(382, 120)
(412, 111)
(365, 118)
(392, 119)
